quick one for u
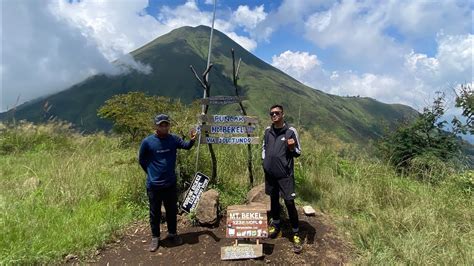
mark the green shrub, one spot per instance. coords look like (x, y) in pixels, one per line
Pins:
(132, 114)
(465, 182)
(430, 168)
(425, 143)
(26, 136)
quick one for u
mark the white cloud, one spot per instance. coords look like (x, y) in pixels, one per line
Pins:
(374, 46)
(290, 12)
(370, 36)
(382, 87)
(41, 55)
(421, 63)
(126, 63)
(243, 41)
(60, 43)
(49, 46)
(355, 30)
(413, 84)
(297, 64)
(118, 27)
(455, 53)
(249, 18)
(189, 14)
(417, 19)
(308, 69)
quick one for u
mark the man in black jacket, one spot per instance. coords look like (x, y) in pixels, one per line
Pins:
(280, 146)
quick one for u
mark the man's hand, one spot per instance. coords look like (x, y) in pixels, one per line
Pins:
(291, 144)
(192, 134)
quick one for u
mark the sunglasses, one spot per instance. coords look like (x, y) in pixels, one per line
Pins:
(275, 113)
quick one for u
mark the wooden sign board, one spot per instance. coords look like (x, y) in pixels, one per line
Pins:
(242, 251)
(229, 140)
(222, 100)
(194, 193)
(246, 221)
(231, 129)
(228, 119)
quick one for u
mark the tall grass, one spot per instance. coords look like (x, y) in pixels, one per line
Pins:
(390, 218)
(87, 191)
(91, 186)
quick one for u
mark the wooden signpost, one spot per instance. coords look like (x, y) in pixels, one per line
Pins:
(245, 222)
(231, 129)
(222, 100)
(228, 119)
(193, 195)
(229, 140)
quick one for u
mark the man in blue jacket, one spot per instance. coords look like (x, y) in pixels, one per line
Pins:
(280, 146)
(157, 157)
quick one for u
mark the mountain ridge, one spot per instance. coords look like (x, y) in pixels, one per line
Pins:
(170, 55)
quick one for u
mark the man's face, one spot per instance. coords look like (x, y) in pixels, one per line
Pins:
(276, 115)
(163, 128)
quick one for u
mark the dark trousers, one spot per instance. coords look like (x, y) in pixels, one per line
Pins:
(169, 198)
(290, 206)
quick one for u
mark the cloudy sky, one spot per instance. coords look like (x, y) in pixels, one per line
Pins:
(394, 51)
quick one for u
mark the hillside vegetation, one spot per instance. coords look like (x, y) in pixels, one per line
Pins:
(90, 186)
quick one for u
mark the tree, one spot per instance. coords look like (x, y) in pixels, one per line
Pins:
(465, 101)
(423, 144)
(133, 113)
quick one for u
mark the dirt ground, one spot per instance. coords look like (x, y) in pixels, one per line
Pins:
(202, 245)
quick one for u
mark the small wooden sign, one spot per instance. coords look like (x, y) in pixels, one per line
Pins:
(246, 221)
(228, 119)
(231, 129)
(222, 100)
(194, 193)
(242, 251)
(229, 140)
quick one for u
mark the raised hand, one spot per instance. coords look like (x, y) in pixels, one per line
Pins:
(291, 144)
(192, 134)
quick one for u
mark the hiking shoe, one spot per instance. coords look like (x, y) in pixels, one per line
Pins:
(155, 244)
(297, 244)
(274, 231)
(175, 239)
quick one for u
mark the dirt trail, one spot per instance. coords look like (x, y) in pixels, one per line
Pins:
(202, 245)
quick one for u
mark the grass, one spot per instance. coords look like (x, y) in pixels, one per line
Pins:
(390, 219)
(85, 195)
(91, 187)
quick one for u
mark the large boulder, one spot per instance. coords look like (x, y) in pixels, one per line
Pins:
(257, 195)
(207, 210)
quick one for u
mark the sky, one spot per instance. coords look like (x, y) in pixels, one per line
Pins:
(394, 51)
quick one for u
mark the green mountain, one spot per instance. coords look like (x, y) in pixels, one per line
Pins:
(350, 118)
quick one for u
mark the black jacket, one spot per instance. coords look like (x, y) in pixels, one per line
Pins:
(277, 158)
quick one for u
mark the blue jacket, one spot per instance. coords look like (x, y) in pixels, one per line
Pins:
(157, 157)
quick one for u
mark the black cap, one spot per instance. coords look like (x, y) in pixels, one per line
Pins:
(161, 118)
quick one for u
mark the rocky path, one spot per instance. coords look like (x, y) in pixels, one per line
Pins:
(202, 245)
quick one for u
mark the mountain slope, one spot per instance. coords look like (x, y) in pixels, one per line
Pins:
(170, 57)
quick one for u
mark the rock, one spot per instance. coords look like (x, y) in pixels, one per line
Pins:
(70, 257)
(206, 212)
(309, 211)
(257, 195)
(32, 183)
